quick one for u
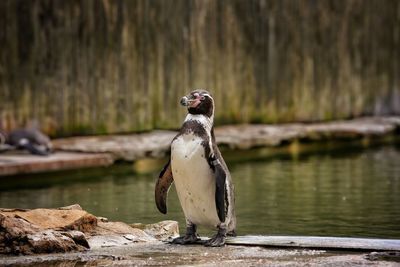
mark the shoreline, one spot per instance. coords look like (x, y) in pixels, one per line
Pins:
(161, 254)
(71, 236)
(294, 138)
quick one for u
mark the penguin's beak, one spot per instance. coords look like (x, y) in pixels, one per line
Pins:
(185, 101)
(191, 101)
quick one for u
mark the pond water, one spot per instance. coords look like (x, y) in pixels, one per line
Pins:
(354, 194)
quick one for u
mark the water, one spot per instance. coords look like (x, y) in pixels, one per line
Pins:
(355, 194)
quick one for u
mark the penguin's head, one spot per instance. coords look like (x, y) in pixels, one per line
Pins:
(199, 102)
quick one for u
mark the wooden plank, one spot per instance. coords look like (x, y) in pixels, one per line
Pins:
(369, 244)
(22, 163)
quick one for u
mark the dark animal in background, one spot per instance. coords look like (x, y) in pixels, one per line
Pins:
(28, 139)
(202, 179)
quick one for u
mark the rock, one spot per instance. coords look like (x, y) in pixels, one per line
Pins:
(103, 241)
(350, 129)
(71, 207)
(128, 147)
(114, 234)
(50, 241)
(113, 240)
(145, 149)
(120, 228)
(102, 219)
(72, 219)
(70, 229)
(19, 236)
(78, 237)
(250, 136)
(162, 231)
(156, 144)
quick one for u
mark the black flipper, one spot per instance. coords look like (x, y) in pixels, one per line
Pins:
(220, 191)
(33, 149)
(163, 184)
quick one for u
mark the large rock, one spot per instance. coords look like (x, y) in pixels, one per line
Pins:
(71, 229)
(43, 231)
(57, 219)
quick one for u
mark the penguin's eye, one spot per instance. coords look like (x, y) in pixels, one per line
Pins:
(202, 98)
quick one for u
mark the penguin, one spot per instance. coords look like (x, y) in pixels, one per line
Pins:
(201, 177)
(28, 139)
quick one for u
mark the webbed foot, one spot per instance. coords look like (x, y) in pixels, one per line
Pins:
(216, 241)
(191, 237)
(231, 233)
(186, 239)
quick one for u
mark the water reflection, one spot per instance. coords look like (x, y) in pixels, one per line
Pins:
(352, 194)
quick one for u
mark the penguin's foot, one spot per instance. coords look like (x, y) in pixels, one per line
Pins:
(231, 233)
(186, 239)
(216, 241)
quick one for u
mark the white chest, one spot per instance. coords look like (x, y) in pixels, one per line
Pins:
(194, 180)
